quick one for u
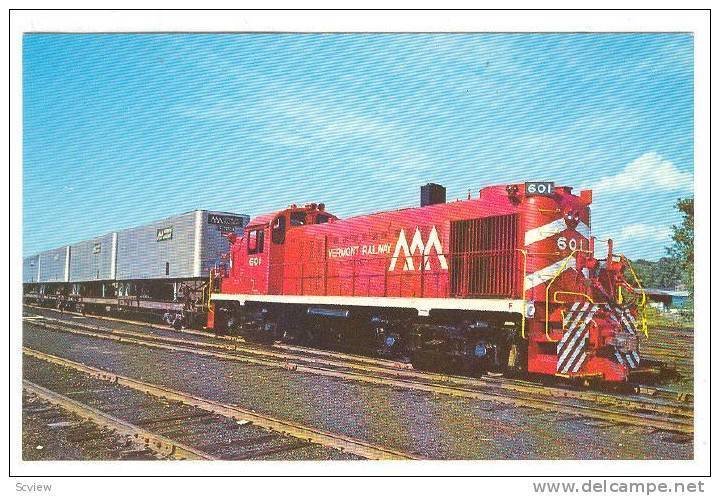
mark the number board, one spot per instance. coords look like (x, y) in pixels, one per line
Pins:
(539, 188)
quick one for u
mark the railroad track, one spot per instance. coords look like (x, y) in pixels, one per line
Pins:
(51, 432)
(174, 422)
(656, 412)
(293, 353)
(673, 347)
(161, 445)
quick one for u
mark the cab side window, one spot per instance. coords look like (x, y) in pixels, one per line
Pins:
(278, 230)
(256, 241)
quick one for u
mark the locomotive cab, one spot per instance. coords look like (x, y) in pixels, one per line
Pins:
(257, 257)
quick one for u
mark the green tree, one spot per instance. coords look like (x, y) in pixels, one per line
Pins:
(665, 273)
(683, 247)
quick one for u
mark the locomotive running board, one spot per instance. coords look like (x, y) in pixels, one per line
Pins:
(422, 305)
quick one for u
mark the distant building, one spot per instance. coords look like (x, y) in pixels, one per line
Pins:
(666, 300)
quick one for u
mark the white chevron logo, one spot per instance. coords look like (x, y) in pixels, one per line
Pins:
(418, 246)
(545, 274)
(552, 228)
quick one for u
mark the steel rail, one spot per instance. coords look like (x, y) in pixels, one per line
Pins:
(675, 408)
(234, 339)
(530, 399)
(159, 444)
(294, 362)
(310, 434)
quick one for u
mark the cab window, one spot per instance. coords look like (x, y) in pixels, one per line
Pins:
(321, 219)
(256, 241)
(298, 218)
(278, 230)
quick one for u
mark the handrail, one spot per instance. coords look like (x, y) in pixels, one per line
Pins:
(547, 291)
(643, 302)
(429, 278)
(584, 295)
(637, 281)
(524, 293)
(209, 288)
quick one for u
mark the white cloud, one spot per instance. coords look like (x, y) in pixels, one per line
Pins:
(636, 232)
(636, 241)
(649, 172)
(645, 231)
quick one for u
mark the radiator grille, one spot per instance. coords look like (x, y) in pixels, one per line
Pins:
(483, 257)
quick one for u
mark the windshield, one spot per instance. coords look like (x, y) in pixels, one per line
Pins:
(298, 218)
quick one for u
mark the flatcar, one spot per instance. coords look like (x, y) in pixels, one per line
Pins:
(157, 270)
(505, 281)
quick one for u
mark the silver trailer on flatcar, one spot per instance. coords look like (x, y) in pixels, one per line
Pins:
(30, 269)
(162, 266)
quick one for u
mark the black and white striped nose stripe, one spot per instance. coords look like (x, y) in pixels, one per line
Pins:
(571, 347)
(631, 359)
(627, 320)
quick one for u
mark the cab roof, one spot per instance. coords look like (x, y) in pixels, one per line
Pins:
(265, 219)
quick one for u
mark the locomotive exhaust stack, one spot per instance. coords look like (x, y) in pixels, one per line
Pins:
(432, 194)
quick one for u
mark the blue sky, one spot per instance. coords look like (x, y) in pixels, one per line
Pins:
(123, 129)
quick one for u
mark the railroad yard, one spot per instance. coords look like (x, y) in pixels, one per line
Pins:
(102, 388)
(274, 249)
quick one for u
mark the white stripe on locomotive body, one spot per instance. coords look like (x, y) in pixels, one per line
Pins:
(569, 315)
(583, 229)
(546, 231)
(577, 314)
(626, 324)
(619, 358)
(574, 340)
(422, 305)
(543, 232)
(553, 228)
(633, 327)
(585, 308)
(569, 346)
(623, 317)
(571, 330)
(629, 359)
(571, 351)
(573, 344)
(545, 274)
(617, 321)
(578, 349)
(631, 317)
(580, 362)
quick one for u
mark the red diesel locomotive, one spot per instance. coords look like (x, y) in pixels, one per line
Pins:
(505, 281)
